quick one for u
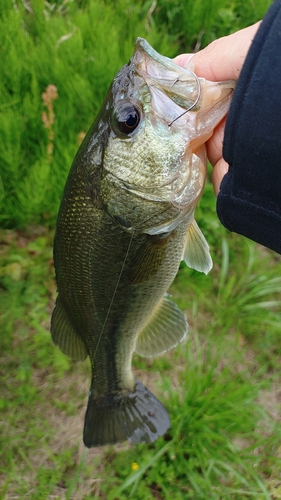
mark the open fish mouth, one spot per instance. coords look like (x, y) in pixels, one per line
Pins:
(181, 85)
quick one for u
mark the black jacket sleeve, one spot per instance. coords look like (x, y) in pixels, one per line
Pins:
(249, 201)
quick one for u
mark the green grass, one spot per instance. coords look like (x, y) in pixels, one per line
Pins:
(222, 387)
(78, 51)
(215, 428)
(78, 47)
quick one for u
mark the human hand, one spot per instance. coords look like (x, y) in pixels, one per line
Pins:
(221, 60)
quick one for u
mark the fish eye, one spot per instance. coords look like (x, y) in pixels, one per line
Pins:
(126, 119)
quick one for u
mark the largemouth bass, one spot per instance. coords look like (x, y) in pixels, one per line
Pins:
(125, 222)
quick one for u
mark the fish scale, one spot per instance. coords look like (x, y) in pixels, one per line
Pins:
(125, 222)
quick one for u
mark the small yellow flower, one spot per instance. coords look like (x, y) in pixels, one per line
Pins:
(135, 466)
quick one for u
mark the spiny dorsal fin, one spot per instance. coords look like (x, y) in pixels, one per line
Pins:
(64, 335)
(196, 252)
(166, 328)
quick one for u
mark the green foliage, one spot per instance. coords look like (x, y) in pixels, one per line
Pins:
(223, 443)
(197, 23)
(246, 302)
(78, 51)
(27, 286)
(215, 427)
(78, 47)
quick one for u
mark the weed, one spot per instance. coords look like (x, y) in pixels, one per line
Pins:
(48, 117)
(76, 50)
(215, 432)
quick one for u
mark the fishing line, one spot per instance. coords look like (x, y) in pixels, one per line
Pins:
(131, 239)
(192, 105)
(114, 293)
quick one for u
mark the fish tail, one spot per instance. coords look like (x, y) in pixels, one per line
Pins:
(136, 416)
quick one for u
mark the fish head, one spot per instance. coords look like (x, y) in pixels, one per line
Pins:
(154, 161)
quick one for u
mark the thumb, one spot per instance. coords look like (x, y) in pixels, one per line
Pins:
(223, 58)
(183, 59)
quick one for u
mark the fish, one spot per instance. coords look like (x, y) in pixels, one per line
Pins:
(125, 222)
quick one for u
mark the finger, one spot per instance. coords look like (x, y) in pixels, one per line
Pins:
(214, 144)
(223, 58)
(220, 169)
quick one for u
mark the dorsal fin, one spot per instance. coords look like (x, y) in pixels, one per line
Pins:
(64, 334)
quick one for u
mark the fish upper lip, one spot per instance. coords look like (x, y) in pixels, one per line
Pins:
(143, 46)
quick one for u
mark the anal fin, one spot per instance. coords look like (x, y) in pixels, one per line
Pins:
(64, 334)
(166, 328)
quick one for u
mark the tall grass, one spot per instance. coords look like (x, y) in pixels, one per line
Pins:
(79, 51)
(78, 47)
(216, 425)
(196, 24)
(220, 389)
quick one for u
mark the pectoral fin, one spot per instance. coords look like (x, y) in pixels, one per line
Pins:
(196, 251)
(166, 328)
(148, 259)
(64, 335)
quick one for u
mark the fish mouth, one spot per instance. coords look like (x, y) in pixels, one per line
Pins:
(162, 73)
(182, 86)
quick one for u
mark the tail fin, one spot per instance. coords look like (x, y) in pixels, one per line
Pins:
(137, 416)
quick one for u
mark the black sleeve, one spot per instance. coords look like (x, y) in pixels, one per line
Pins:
(249, 201)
